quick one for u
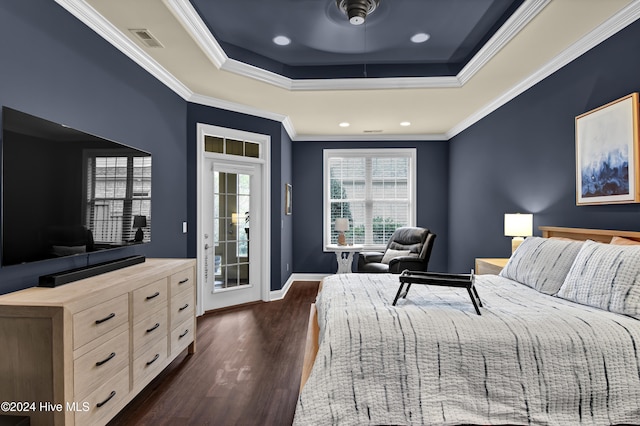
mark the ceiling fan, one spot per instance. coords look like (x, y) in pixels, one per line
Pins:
(357, 10)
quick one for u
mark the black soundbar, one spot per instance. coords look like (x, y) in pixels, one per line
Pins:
(64, 277)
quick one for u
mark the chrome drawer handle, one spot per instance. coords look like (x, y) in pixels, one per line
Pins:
(183, 334)
(149, 330)
(111, 395)
(155, 358)
(109, 358)
(107, 318)
(183, 281)
(186, 305)
(153, 296)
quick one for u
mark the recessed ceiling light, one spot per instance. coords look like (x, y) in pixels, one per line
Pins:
(282, 40)
(405, 123)
(420, 37)
(344, 124)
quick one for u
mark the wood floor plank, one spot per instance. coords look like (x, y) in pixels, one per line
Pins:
(246, 370)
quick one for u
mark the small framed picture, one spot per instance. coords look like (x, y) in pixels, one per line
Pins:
(607, 153)
(287, 198)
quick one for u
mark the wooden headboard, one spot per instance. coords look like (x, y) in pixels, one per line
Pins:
(601, 235)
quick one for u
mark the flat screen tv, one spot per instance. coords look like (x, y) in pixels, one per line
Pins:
(66, 192)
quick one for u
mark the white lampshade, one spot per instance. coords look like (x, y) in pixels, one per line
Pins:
(341, 224)
(518, 225)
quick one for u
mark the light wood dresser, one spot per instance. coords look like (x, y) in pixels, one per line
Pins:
(78, 353)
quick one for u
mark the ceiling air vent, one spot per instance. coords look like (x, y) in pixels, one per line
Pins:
(146, 38)
(372, 131)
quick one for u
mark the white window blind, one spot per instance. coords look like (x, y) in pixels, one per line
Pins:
(118, 189)
(373, 189)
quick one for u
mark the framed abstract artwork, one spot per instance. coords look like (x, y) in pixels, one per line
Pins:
(607, 168)
(287, 199)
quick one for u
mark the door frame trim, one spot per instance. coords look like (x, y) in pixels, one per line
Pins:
(203, 129)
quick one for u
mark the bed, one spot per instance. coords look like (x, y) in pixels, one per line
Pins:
(558, 342)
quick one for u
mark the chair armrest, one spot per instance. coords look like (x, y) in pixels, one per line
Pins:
(412, 263)
(371, 256)
(365, 257)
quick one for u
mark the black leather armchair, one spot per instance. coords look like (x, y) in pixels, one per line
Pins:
(409, 248)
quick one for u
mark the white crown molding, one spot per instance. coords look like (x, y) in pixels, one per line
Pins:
(376, 83)
(620, 20)
(370, 137)
(516, 22)
(237, 107)
(288, 127)
(195, 26)
(256, 73)
(246, 70)
(90, 17)
(285, 120)
(244, 109)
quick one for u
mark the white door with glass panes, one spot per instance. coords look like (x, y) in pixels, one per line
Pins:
(233, 187)
(231, 234)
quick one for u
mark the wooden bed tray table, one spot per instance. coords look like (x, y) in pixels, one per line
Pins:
(435, 278)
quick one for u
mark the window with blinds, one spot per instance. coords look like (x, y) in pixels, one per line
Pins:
(373, 189)
(118, 190)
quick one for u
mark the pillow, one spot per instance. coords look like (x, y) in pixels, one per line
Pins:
(542, 263)
(621, 241)
(605, 276)
(390, 254)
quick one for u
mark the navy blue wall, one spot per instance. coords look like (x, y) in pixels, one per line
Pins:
(54, 67)
(280, 171)
(286, 231)
(432, 207)
(521, 158)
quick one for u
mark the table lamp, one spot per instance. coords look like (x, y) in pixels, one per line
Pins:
(139, 222)
(341, 225)
(518, 226)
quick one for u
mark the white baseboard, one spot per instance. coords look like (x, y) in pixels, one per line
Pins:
(280, 294)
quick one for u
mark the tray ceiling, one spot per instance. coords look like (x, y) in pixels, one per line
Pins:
(479, 54)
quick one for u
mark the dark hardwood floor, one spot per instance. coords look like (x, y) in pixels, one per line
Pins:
(246, 369)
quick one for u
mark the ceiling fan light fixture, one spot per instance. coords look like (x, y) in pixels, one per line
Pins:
(357, 10)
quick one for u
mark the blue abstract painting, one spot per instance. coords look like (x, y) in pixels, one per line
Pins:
(608, 175)
(605, 150)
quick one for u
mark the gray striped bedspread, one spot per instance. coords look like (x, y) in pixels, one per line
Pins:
(529, 358)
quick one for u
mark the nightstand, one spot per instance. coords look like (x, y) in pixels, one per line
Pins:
(490, 266)
(344, 263)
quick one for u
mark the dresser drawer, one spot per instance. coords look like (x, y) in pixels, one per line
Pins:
(181, 281)
(182, 308)
(149, 330)
(99, 320)
(182, 335)
(149, 299)
(104, 402)
(149, 362)
(100, 364)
